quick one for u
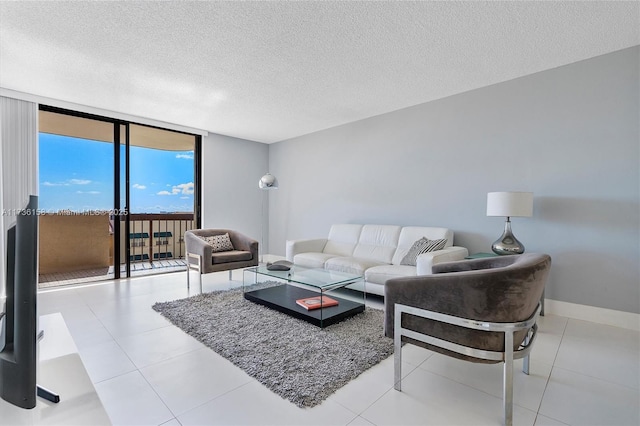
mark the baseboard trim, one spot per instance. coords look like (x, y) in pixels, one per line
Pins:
(605, 316)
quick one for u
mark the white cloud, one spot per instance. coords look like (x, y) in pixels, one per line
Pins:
(138, 186)
(68, 182)
(185, 156)
(183, 188)
(88, 192)
(185, 198)
(79, 181)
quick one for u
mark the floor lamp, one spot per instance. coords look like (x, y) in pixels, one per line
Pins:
(266, 183)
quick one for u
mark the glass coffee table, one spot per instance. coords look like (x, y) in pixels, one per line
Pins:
(287, 290)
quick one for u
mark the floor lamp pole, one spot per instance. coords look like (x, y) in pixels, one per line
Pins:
(261, 257)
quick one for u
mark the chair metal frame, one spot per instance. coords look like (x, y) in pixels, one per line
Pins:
(197, 266)
(507, 357)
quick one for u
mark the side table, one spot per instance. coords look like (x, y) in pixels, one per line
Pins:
(481, 255)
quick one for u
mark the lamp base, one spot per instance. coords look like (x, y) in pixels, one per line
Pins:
(507, 243)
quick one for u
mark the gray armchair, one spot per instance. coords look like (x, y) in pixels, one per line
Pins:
(201, 258)
(482, 310)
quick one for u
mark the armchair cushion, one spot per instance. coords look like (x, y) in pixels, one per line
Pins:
(219, 243)
(230, 256)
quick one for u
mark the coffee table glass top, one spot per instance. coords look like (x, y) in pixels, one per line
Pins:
(321, 279)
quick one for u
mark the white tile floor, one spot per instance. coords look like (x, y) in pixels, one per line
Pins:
(61, 370)
(148, 372)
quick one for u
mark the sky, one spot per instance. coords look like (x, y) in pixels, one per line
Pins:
(77, 174)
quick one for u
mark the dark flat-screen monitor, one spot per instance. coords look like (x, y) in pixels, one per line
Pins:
(18, 338)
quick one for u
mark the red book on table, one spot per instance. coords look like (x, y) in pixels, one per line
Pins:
(310, 303)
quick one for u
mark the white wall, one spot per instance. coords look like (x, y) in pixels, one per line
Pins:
(231, 198)
(570, 135)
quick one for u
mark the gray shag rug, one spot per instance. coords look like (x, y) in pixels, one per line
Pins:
(296, 360)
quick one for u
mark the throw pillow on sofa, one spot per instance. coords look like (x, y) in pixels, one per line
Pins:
(219, 242)
(423, 245)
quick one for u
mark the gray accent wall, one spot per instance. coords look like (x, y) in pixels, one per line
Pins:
(231, 198)
(570, 135)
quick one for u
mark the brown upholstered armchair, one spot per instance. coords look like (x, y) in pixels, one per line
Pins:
(200, 255)
(482, 310)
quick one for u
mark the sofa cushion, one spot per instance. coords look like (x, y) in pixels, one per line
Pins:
(312, 260)
(377, 242)
(351, 265)
(342, 239)
(380, 274)
(410, 234)
(231, 256)
(423, 245)
(219, 243)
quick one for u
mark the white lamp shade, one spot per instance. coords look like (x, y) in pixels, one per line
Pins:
(268, 181)
(510, 204)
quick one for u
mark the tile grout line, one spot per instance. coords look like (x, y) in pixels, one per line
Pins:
(553, 366)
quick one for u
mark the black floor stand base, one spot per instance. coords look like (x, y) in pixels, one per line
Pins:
(45, 393)
(48, 395)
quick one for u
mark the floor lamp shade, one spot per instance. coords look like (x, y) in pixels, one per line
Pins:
(509, 204)
(268, 181)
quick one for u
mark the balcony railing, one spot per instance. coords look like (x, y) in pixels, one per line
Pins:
(80, 245)
(157, 236)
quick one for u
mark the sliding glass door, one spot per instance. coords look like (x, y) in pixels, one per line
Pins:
(161, 198)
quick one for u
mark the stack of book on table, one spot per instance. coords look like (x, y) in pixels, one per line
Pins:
(316, 302)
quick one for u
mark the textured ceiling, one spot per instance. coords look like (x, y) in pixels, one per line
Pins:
(270, 71)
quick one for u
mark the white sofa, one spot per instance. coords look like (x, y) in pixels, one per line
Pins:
(374, 251)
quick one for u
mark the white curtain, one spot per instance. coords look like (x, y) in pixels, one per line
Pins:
(19, 165)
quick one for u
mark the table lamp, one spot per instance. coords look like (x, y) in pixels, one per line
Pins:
(509, 204)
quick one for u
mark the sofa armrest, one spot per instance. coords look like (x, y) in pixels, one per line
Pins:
(244, 243)
(472, 264)
(196, 245)
(425, 261)
(304, 246)
(440, 292)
